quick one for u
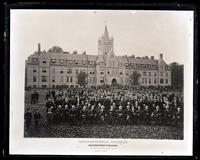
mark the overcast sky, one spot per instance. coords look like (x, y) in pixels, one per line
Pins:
(142, 33)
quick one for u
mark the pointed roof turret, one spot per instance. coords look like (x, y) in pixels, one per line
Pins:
(106, 35)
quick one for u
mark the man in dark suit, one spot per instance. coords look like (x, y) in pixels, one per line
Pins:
(28, 119)
(120, 115)
(37, 117)
(146, 115)
(156, 115)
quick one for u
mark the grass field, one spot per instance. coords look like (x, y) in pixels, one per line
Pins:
(97, 131)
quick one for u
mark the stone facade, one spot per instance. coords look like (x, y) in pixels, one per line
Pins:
(57, 67)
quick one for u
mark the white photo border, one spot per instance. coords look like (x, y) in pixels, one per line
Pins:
(83, 146)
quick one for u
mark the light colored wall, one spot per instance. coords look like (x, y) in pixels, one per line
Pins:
(93, 79)
(30, 74)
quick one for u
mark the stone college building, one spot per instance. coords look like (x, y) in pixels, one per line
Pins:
(55, 67)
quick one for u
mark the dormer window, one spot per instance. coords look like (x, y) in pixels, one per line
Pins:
(44, 62)
(83, 62)
(53, 60)
(61, 61)
(76, 62)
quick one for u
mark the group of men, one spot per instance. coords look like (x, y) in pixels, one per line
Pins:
(29, 116)
(115, 105)
(34, 97)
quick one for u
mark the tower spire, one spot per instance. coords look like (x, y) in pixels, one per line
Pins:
(106, 35)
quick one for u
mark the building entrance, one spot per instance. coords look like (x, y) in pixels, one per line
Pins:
(114, 81)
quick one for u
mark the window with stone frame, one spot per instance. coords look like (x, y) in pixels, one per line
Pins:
(43, 78)
(149, 74)
(69, 71)
(76, 71)
(61, 61)
(154, 81)
(161, 81)
(84, 62)
(34, 79)
(76, 62)
(71, 79)
(101, 79)
(149, 80)
(67, 79)
(53, 60)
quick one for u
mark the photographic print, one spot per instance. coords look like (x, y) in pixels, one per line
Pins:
(104, 74)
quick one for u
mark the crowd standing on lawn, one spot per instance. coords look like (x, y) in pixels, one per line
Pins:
(111, 105)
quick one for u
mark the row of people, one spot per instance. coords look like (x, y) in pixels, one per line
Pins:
(114, 115)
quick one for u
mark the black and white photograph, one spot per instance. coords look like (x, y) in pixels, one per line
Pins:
(107, 79)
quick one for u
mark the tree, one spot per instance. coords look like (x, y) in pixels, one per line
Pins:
(134, 77)
(82, 78)
(176, 75)
(56, 49)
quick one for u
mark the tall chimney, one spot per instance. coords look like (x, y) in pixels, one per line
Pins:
(39, 48)
(161, 56)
